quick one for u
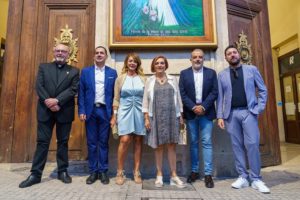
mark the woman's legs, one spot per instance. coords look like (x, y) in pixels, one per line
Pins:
(158, 158)
(122, 150)
(174, 180)
(172, 158)
(138, 141)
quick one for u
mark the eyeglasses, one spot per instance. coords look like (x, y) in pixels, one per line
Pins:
(60, 51)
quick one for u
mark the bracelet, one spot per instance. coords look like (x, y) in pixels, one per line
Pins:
(115, 112)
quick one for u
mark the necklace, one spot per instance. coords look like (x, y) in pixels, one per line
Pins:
(161, 80)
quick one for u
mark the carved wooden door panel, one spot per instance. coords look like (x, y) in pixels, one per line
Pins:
(251, 18)
(73, 21)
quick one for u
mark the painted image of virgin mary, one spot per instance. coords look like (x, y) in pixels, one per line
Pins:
(168, 12)
(145, 15)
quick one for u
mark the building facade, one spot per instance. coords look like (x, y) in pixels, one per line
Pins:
(31, 32)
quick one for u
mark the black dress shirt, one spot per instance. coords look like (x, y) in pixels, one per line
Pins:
(239, 99)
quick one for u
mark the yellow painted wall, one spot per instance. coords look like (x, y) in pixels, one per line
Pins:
(284, 17)
(3, 17)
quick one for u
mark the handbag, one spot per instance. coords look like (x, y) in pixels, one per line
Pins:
(114, 132)
(182, 135)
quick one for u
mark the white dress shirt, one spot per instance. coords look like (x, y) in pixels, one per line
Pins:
(198, 80)
(99, 84)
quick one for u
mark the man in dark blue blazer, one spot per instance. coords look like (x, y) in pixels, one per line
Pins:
(199, 90)
(96, 92)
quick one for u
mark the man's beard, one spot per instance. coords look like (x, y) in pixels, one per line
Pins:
(60, 60)
(234, 62)
(197, 66)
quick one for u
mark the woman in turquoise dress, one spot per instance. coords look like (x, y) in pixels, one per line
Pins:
(127, 106)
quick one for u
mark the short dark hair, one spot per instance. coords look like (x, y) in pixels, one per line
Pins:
(102, 48)
(230, 47)
(155, 59)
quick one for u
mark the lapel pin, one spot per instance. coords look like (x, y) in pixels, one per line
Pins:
(67, 72)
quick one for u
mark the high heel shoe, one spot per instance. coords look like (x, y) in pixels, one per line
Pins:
(137, 177)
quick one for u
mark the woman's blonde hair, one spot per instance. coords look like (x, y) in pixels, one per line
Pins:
(136, 58)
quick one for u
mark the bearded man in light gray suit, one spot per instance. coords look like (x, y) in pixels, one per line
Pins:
(238, 107)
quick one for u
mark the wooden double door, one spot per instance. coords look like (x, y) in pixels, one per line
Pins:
(251, 19)
(32, 29)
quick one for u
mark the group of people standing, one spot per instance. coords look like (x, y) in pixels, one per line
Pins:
(150, 111)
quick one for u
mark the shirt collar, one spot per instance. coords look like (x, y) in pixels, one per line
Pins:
(60, 66)
(198, 71)
(236, 68)
(99, 68)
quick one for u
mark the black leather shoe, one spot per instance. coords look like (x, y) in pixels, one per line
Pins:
(31, 180)
(64, 177)
(92, 178)
(104, 178)
(209, 183)
(193, 177)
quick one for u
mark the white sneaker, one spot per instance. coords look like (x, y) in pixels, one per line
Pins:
(177, 182)
(260, 186)
(159, 181)
(240, 183)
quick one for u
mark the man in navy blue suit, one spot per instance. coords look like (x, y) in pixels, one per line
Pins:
(96, 92)
(199, 90)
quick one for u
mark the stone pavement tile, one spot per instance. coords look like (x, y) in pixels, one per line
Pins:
(283, 184)
(148, 184)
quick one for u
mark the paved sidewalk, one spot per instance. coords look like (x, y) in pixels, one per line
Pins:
(283, 180)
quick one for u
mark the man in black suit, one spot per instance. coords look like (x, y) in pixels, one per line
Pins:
(56, 86)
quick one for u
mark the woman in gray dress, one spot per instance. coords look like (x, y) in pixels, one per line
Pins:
(162, 110)
(127, 106)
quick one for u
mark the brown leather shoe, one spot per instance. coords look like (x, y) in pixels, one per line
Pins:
(193, 177)
(209, 183)
(120, 178)
(137, 177)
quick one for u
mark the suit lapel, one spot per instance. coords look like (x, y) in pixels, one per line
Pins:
(192, 81)
(92, 78)
(245, 74)
(228, 79)
(204, 80)
(106, 75)
(52, 73)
